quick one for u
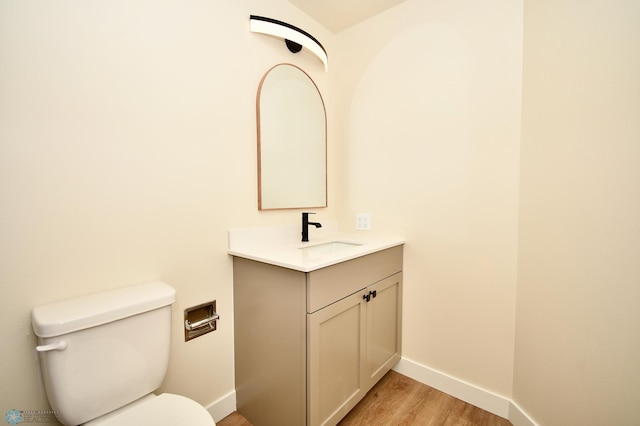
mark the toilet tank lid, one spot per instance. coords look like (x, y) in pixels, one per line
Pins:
(96, 309)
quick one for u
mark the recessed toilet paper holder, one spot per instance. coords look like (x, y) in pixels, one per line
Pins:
(199, 320)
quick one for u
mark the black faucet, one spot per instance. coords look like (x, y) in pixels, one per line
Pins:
(305, 226)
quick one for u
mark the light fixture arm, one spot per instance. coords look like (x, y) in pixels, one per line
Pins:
(294, 37)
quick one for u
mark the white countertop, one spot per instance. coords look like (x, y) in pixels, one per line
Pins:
(281, 245)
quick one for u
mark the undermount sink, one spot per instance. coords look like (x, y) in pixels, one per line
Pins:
(330, 247)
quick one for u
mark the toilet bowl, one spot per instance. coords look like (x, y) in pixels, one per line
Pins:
(104, 354)
(162, 410)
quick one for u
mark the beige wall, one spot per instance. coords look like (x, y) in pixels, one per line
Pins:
(429, 126)
(578, 321)
(127, 149)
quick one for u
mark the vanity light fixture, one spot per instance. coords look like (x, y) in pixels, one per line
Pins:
(294, 37)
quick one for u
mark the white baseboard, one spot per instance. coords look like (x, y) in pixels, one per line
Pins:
(518, 417)
(474, 395)
(223, 407)
(467, 392)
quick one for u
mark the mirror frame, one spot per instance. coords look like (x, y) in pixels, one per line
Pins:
(293, 205)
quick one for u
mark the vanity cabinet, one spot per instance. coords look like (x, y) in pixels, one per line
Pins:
(310, 345)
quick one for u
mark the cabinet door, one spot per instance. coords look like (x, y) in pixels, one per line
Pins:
(384, 328)
(336, 337)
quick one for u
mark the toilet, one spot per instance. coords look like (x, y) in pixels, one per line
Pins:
(104, 354)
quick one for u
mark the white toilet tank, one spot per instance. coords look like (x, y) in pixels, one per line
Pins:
(102, 351)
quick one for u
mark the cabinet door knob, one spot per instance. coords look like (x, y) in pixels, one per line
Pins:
(373, 293)
(367, 297)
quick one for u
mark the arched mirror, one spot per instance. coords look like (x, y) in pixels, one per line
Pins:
(292, 141)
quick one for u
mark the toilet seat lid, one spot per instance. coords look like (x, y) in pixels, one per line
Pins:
(163, 410)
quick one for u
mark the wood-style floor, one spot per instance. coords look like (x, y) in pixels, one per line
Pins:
(398, 400)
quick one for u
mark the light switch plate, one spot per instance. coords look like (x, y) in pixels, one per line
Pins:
(363, 222)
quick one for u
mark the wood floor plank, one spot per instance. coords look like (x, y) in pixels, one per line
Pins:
(398, 400)
(234, 419)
